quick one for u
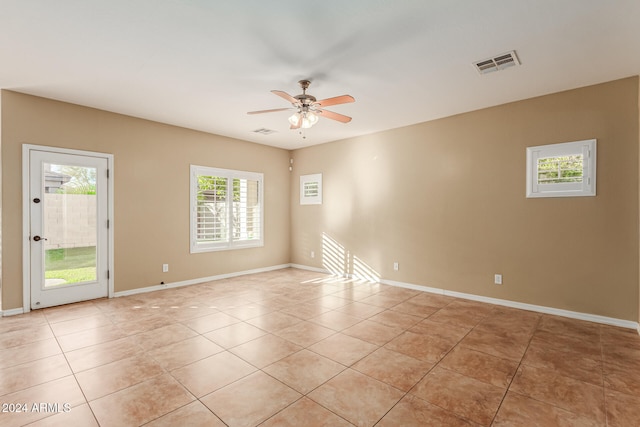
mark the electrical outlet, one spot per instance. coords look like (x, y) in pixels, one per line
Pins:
(497, 279)
(165, 268)
(313, 254)
(396, 266)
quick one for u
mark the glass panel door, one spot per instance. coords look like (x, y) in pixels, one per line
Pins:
(68, 228)
(70, 219)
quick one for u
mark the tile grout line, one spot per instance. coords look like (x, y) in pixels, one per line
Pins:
(604, 390)
(302, 395)
(560, 375)
(516, 371)
(146, 351)
(335, 332)
(351, 366)
(443, 357)
(428, 371)
(64, 353)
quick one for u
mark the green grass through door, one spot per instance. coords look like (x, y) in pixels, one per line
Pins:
(72, 265)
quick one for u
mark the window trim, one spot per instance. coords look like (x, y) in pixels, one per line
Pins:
(585, 188)
(230, 244)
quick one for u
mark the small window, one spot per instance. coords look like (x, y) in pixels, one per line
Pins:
(562, 170)
(311, 189)
(226, 209)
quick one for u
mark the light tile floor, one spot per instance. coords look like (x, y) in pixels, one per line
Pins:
(297, 348)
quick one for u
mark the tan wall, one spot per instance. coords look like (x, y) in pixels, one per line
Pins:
(151, 190)
(446, 199)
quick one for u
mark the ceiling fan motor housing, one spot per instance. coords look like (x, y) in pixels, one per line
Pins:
(305, 99)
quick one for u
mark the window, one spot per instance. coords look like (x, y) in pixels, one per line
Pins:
(226, 209)
(562, 170)
(311, 189)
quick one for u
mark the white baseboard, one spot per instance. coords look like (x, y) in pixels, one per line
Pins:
(12, 312)
(522, 306)
(197, 281)
(308, 268)
(506, 303)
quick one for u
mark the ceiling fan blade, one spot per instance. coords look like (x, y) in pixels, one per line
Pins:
(344, 99)
(269, 111)
(286, 96)
(334, 116)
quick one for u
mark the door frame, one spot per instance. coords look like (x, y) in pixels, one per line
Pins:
(26, 242)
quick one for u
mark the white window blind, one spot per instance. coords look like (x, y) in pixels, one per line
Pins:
(211, 214)
(311, 189)
(562, 170)
(226, 209)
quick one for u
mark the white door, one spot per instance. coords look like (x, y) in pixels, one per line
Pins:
(68, 235)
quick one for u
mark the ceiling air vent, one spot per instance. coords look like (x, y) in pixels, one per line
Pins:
(264, 131)
(499, 62)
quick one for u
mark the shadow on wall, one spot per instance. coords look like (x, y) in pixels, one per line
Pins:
(340, 262)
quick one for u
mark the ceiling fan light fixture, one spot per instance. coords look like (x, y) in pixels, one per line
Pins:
(294, 119)
(309, 118)
(313, 118)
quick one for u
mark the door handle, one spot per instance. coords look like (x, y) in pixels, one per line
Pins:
(38, 238)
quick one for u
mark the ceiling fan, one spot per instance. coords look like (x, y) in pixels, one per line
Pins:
(308, 108)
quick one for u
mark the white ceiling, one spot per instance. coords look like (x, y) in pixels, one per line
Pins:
(202, 64)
